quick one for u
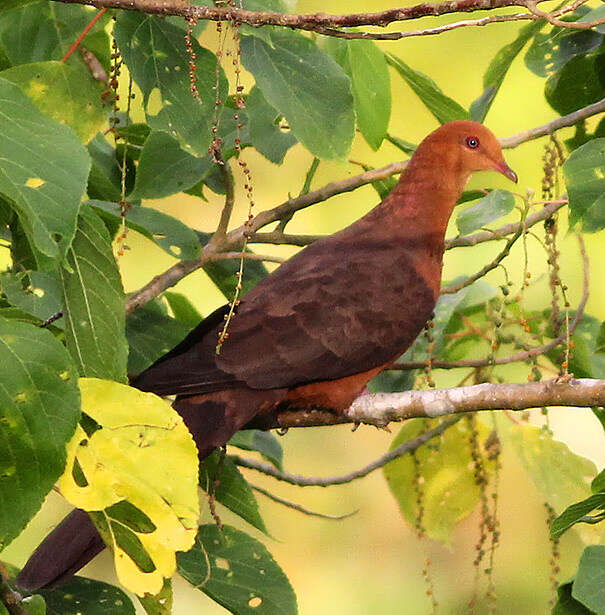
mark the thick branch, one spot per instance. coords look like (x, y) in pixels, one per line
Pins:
(314, 22)
(382, 408)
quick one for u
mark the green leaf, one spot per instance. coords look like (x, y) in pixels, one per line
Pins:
(78, 595)
(444, 108)
(43, 171)
(261, 441)
(63, 93)
(238, 572)
(167, 232)
(366, 66)
(598, 483)
(584, 173)
(589, 586)
(566, 605)
(41, 297)
(575, 513)
(165, 169)
(577, 84)
(594, 15)
(40, 30)
(155, 53)
(151, 334)
(549, 52)
(307, 87)
(94, 302)
(34, 605)
(105, 178)
(450, 492)
(496, 71)
(265, 134)
(539, 453)
(233, 490)
(183, 310)
(493, 206)
(160, 604)
(40, 404)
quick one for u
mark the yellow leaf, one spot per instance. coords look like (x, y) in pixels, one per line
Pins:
(139, 453)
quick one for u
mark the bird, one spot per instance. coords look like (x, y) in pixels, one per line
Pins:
(314, 332)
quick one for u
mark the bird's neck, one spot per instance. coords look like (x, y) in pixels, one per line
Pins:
(426, 194)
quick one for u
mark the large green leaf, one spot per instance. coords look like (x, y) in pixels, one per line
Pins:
(167, 232)
(66, 94)
(79, 595)
(154, 51)
(238, 572)
(576, 513)
(367, 68)
(444, 108)
(493, 206)
(151, 333)
(40, 30)
(580, 82)
(496, 71)
(94, 302)
(43, 171)
(265, 135)
(165, 169)
(589, 585)
(584, 172)
(566, 604)
(307, 87)
(105, 178)
(232, 491)
(37, 293)
(539, 453)
(449, 489)
(40, 404)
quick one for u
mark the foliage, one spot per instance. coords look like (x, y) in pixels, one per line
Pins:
(143, 110)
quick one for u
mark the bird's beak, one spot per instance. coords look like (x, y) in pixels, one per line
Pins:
(503, 168)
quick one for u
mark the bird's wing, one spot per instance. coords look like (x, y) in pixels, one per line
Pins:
(335, 309)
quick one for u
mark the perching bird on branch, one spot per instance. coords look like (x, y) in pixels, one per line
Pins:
(314, 332)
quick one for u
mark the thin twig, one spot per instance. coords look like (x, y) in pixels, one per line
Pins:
(299, 508)
(314, 481)
(227, 177)
(574, 25)
(86, 30)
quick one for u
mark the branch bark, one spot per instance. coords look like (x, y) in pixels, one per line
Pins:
(380, 409)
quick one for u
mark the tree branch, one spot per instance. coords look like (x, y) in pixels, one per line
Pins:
(313, 481)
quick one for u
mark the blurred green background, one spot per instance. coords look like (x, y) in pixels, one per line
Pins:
(372, 562)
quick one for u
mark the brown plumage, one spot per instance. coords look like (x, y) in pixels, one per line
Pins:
(314, 332)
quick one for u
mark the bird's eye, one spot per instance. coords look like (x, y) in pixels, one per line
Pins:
(472, 142)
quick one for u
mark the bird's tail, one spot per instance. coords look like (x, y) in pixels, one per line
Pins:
(212, 419)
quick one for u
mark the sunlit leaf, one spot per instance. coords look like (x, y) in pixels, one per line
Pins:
(66, 94)
(449, 488)
(140, 470)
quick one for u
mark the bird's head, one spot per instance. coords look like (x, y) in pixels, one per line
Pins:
(468, 147)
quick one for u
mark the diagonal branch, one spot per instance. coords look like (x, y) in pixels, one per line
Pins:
(312, 481)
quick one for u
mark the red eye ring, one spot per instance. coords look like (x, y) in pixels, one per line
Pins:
(472, 142)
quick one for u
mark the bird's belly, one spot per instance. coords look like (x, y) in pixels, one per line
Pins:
(331, 394)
